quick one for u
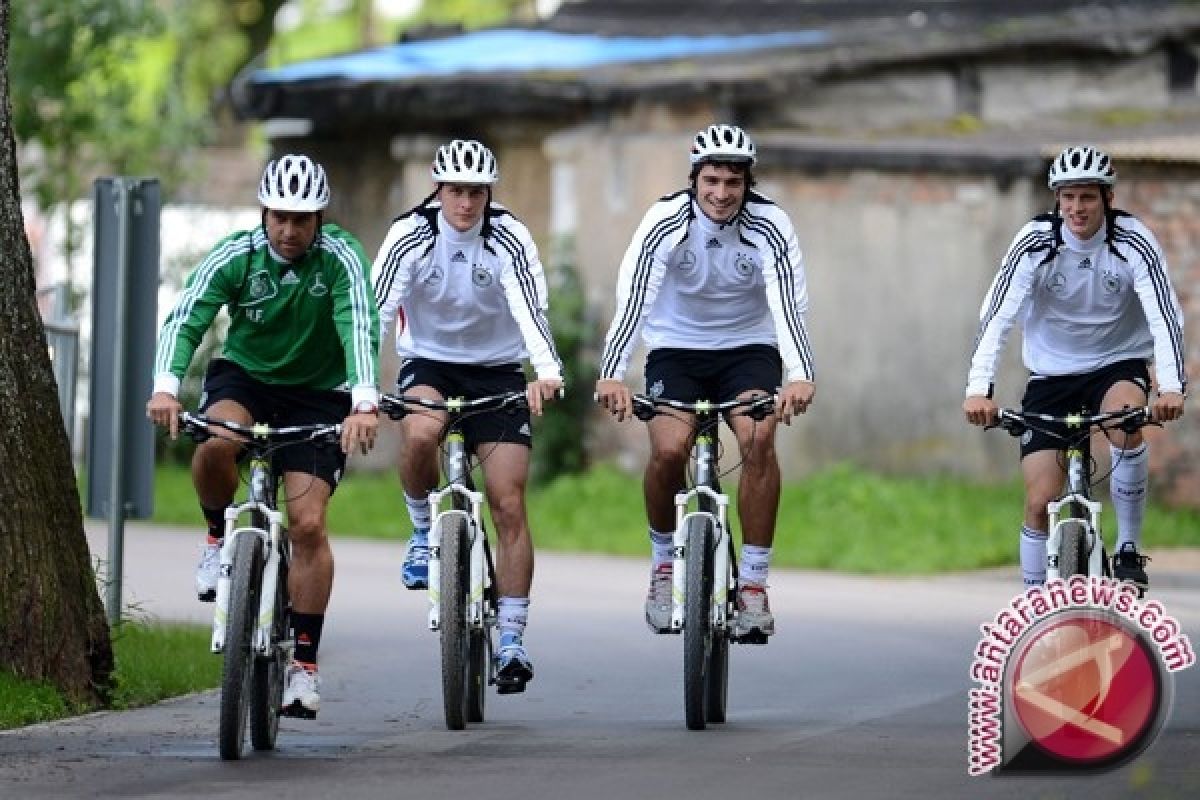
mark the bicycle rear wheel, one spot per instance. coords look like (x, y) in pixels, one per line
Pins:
(239, 655)
(266, 696)
(455, 572)
(697, 621)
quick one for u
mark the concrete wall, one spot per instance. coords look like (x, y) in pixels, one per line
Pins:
(1015, 92)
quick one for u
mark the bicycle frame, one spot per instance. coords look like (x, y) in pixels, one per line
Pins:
(259, 501)
(458, 494)
(1077, 492)
(710, 502)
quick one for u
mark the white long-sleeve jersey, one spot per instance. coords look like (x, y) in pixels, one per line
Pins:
(688, 282)
(1083, 304)
(473, 297)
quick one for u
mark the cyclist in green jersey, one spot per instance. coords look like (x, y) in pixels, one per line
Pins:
(303, 328)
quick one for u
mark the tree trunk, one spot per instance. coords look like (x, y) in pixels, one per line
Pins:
(52, 624)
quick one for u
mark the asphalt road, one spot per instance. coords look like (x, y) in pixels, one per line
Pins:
(862, 694)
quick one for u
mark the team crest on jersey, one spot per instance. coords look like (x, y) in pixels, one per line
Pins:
(1112, 282)
(1057, 284)
(459, 257)
(481, 276)
(744, 265)
(687, 261)
(713, 243)
(657, 389)
(260, 288)
(317, 288)
(1086, 263)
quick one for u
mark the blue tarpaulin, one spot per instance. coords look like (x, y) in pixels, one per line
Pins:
(509, 50)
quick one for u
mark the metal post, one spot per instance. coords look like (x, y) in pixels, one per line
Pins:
(116, 490)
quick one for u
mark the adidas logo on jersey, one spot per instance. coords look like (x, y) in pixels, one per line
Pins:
(1086, 263)
(713, 243)
(524, 430)
(289, 278)
(459, 256)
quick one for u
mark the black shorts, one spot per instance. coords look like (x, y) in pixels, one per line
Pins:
(713, 375)
(1074, 394)
(471, 381)
(277, 405)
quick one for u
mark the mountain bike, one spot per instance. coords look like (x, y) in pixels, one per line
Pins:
(705, 572)
(462, 572)
(252, 617)
(1075, 544)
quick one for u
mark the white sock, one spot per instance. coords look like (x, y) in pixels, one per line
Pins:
(661, 545)
(418, 511)
(511, 615)
(1127, 486)
(755, 563)
(1033, 556)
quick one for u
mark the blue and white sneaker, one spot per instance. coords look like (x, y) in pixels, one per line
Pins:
(513, 668)
(415, 572)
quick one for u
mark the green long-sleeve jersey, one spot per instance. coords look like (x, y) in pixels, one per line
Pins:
(310, 323)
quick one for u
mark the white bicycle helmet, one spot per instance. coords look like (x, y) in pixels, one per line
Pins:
(1080, 165)
(293, 183)
(727, 143)
(464, 161)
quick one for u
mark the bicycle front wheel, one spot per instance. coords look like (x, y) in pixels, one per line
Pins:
(697, 621)
(455, 579)
(239, 653)
(266, 696)
(1073, 549)
(718, 663)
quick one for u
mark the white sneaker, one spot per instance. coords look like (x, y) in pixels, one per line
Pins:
(658, 598)
(207, 572)
(753, 611)
(302, 694)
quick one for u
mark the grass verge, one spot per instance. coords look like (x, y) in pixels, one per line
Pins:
(153, 661)
(843, 518)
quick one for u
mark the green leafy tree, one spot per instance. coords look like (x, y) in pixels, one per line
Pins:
(561, 433)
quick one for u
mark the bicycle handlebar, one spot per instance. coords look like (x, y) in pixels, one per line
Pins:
(757, 408)
(1129, 420)
(397, 406)
(199, 427)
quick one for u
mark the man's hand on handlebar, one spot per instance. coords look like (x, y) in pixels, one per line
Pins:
(163, 409)
(980, 410)
(360, 428)
(615, 397)
(794, 398)
(539, 391)
(1167, 406)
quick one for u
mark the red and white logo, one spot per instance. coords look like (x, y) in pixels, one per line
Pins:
(1073, 676)
(1085, 689)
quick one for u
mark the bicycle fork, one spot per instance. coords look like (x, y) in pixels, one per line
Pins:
(1090, 534)
(477, 567)
(1076, 495)
(720, 562)
(267, 539)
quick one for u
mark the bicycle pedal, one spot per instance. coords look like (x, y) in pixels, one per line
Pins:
(753, 637)
(297, 711)
(511, 686)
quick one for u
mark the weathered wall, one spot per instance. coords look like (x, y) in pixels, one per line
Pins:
(898, 263)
